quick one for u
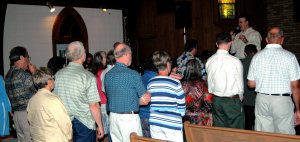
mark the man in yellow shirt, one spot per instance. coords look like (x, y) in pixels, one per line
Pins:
(48, 118)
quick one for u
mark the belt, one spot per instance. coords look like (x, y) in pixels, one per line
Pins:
(234, 96)
(285, 94)
(130, 112)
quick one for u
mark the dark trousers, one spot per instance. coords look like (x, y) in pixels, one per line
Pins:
(249, 117)
(228, 112)
(81, 133)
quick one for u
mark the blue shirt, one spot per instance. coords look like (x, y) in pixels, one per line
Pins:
(145, 110)
(167, 102)
(123, 88)
(4, 109)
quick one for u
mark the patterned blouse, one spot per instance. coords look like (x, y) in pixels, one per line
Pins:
(198, 109)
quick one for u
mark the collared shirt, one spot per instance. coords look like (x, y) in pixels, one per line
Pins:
(182, 61)
(238, 46)
(123, 88)
(225, 74)
(48, 118)
(167, 102)
(5, 108)
(77, 88)
(19, 87)
(273, 69)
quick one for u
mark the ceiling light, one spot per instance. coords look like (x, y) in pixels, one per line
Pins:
(52, 9)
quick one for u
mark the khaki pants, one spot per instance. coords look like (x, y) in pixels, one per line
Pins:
(274, 114)
(22, 126)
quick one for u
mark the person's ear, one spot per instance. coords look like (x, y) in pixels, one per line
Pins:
(282, 39)
(266, 39)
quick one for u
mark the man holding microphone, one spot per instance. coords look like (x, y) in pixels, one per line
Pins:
(247, 36)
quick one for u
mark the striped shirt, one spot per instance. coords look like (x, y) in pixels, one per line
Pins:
(273, 69)
(167, 102)
(77, 88)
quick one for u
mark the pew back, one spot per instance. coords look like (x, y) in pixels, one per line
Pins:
(135, 138)
(196, 133)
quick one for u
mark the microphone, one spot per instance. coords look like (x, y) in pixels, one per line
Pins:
(236, 30)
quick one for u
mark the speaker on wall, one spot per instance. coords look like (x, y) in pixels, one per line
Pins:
(296, 10)
(183, 14)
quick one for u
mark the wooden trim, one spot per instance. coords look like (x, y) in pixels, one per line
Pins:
(195, 133)
(68, 11)
(135, 138)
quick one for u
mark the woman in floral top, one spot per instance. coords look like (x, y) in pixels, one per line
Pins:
(198, 100)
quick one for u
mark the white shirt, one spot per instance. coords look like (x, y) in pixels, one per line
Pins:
(238, 46)
(225, 75)
(273, 69)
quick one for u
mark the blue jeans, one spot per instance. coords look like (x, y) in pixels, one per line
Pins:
(81, 133)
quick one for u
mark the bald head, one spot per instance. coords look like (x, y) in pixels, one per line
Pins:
(122, 53)
(275, 36)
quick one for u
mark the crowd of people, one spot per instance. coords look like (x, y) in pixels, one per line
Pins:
(99, 97)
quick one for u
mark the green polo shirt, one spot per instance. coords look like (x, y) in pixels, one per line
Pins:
(77, 88)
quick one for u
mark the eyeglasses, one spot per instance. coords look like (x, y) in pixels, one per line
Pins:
(28, 57)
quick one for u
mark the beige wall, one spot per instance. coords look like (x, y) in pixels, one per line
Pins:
(31, 26)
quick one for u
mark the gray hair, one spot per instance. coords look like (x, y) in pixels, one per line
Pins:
(120, 53)
(160, 59)
(75, 51)
(41, 77)
(275, 35)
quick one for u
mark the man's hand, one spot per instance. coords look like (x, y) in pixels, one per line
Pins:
(297, 117)
(32, 68)
(243, 38)
(145, 99)
(176, 76)
(100, 132)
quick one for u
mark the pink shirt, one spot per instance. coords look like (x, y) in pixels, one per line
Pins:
(99, 86)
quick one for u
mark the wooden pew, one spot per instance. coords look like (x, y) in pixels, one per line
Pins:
(135, 138)
(195, 133)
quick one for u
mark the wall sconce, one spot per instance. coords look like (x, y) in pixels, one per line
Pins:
(226, 9)
(52, 9)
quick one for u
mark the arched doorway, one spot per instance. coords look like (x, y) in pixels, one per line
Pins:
(68, 27)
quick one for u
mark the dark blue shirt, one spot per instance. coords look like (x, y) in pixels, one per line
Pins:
(145, 110)
(123, 88)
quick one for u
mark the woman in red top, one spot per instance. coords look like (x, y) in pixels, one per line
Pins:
(99, 64)
(198, 107)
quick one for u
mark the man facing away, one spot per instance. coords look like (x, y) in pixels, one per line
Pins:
(249, 94)
(78, 91)
(247, 36)
(190, 51)
(125, 92)
(225, 81)
(274, 73)
(20, 88)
